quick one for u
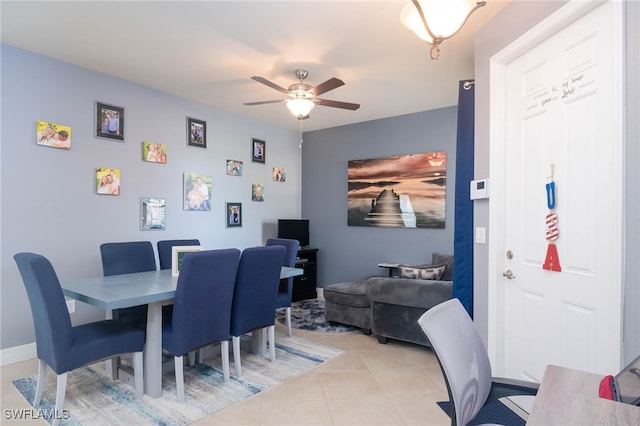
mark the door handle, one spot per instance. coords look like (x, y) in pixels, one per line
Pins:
(509, 274)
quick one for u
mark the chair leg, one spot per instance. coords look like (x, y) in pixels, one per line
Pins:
(272, 342)
(42, 374)
(60, 391)
(179, 377)
(236, 355)
(138, 373)
(192, 358)
(201, 355)
(224, 353)
(288, 314)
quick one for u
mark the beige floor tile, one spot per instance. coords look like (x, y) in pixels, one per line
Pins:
(346, 362)
(421, 409)
(377, 410)
(405, 380)
(302, 388)
(349, 384)
(295, 413)
(387, 358)
(362, 342)
(245, 413)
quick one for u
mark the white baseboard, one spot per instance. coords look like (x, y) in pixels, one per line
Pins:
(17, 354)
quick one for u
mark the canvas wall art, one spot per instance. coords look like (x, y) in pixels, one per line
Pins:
(279, 174)
(53, 135)
(154, 152)
(107, 181)
(403, 191)
(197, 192)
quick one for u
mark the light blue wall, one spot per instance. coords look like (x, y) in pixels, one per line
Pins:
(48, 200)
(351, 252)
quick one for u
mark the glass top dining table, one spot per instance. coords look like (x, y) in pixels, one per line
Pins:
(154, 288)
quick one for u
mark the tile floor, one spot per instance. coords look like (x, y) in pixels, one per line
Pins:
(369, 384)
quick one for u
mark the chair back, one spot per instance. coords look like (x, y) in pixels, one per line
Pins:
(285, 289)
(291, 247)
(48, 308)
(256, 290)
(462, 357)
(127, 257)
(202, 304)
(164, 250)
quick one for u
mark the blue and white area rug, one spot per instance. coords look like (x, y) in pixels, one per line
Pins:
(92, 398)
(309, 315)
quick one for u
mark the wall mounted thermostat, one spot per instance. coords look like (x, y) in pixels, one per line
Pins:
(479, 189)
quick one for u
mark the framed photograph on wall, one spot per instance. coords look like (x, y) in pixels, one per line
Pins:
(279, 174)
(196, 132)
(107, 181)
(234, 215)
(177, 256)
(257, 192)
(53, 135)
(197, 192)
(109, 122)
(152, 214)
(154, 152)
(234, 168)
(258, 151)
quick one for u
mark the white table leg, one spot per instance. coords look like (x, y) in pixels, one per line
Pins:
(153, 351)
(259, 341)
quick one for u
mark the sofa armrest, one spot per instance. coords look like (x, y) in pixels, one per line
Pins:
(415, 293)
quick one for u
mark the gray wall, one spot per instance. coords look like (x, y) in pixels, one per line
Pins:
(350, 252)
(513, 21)
(48, 200)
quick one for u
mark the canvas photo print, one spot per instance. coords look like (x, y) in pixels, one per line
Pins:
(154, 152)
(53, 135)
(107, 181)
(197, 192)
(403, 191)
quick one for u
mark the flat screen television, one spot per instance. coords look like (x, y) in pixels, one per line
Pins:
(294, 229)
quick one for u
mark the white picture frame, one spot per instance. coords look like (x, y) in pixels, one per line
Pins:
(177, 254)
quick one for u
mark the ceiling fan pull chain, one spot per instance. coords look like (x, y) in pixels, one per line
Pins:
(300, 122)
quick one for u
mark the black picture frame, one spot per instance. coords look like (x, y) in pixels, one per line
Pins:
(109, 121)
(258, 151)
(196, 132)
(233, 215)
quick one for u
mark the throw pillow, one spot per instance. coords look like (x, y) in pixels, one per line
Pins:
(430, 273)
(444, 259)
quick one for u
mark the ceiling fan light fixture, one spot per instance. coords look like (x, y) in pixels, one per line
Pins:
(437, 20)
(300, 107)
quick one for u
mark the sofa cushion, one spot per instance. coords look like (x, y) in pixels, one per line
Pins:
(444, 259)
(347, 293)
(433, 272)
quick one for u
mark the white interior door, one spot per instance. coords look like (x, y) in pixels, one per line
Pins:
(561, 107)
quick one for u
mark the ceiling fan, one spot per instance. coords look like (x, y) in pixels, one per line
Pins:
(303, 97)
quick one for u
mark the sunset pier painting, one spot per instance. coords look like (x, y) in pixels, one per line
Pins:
(406, 191)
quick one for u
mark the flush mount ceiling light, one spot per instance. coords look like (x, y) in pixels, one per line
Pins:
(437, 20)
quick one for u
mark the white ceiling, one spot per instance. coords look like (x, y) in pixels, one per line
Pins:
(207, 51)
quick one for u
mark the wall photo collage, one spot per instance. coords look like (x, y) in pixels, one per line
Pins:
(197, 187)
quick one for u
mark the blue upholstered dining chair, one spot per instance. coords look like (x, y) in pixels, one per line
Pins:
(201, 308)
(473, 391)
(285, 289)
(127, 258)
(255, 296)
(165, 252)
(63, 347)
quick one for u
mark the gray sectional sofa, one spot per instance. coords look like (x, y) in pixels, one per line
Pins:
(389, 307)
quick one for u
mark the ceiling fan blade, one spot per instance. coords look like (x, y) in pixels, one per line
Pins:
(330, 84)
(270, 84)
(264, 102)
(338, 104)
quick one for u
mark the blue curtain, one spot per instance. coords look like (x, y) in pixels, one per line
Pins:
(463, 232)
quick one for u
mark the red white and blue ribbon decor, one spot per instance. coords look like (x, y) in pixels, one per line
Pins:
(551, 262)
